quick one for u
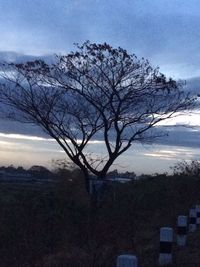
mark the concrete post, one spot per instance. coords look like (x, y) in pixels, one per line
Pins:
(127, 261)
(192, 220)
(198, 214)
(181, 230)
(166, 240)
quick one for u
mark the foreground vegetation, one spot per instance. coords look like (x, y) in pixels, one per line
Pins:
(55, 225)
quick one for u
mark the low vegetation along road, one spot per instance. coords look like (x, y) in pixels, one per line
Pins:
(55, 226)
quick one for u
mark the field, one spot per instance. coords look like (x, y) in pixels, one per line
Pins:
(55, 226)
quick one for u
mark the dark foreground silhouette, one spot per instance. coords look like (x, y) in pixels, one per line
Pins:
(54, 225)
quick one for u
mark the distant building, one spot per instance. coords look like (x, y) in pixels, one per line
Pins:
(97, 185)
(36, 174)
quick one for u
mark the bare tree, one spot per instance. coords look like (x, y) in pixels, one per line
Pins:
(187, 168)
(95, 92)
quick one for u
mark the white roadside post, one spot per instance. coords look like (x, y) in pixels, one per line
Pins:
(127, 261)
(166, 240)
(181, 230)
(192, 220)
(198, 214)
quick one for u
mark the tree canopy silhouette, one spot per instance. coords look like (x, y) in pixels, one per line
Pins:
(95, 93)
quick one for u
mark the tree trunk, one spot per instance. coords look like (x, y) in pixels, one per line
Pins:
(96, 194)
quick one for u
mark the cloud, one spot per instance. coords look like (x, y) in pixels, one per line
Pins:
(178, 153)
(179, 136)
(193, 85)
(165, 32)
(14, 127)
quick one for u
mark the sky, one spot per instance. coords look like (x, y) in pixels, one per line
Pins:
(166, 32)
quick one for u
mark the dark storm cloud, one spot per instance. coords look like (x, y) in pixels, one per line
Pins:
(13, 127)
(179, 136)
(170, 136)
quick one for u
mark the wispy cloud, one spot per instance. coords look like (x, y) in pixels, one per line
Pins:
(173, 154)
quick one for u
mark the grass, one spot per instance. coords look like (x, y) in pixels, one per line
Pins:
(54, 226)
